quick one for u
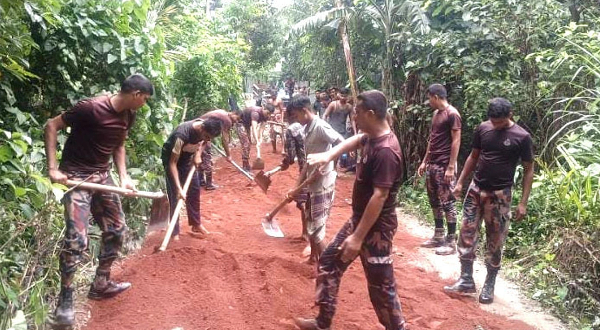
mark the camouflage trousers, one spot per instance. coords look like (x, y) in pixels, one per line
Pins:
(105, 209)
(294, 148)
(494, 208)
(440, 193)
(207, 163)
(242, 134)
(376, 258)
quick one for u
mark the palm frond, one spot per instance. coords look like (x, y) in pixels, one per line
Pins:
(320, 20)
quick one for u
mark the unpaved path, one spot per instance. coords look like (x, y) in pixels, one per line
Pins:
(239, 278)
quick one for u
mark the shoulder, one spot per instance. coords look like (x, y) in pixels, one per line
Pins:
(485, 126)
(520, 131)
(453, 112)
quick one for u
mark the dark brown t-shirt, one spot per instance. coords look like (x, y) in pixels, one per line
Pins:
(500, 150)
(379, 165)
(440, 139)
(97, 130)
(220, 115)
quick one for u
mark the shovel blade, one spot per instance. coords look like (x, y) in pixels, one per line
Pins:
(271, 228)
(258, 164)
(262, 181)
(159, 212)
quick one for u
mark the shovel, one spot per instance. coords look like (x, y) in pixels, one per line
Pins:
(263, 179)
(269, 224)
(238, 167)
(178, 208)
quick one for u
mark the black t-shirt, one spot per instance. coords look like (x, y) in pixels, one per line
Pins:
(97, 130)
(379, 165)
(500, 152)
(184, 141)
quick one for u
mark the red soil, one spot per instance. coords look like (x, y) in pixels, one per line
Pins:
(239, 278)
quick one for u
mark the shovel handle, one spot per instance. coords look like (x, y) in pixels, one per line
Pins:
(248, 175)
(178, 208)
(114, 189)
(269, 217)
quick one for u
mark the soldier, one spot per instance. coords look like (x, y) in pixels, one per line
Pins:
(498, 144)
(439, 164)
(99, 127)
(227, 119)
(370, 230)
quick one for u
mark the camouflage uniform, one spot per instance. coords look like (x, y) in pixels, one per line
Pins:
(244, 141)
(294, 145)
(105, 208)
(440, 193)
(494, 208)
(207, 164)
(376, 258)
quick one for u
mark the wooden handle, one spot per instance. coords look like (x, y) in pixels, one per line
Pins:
(273, 171)
(238, 167)
(284, 202)
(114, 189)
(178, 208)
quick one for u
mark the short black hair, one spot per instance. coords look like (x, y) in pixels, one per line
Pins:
(270, 107)
(137, 82)
(298, 102)
(345, 91)
(438, 90)
(499, 108)
(212, 126)
(374, 100)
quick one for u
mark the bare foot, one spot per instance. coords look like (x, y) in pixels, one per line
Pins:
(176, 238)
(306, 251)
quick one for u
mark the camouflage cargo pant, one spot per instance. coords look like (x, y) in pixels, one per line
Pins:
(494, 208)
(105, 208)
(294, 148)
(440, 193)
(244, 141)
(376, 258)
(207, 163)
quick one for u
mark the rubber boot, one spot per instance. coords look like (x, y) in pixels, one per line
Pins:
(209, 184)
(64, 315)
(436, 241)
(487, 293)
(449, 246)
(465, 283)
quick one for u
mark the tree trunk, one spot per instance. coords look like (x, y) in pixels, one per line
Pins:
(348, 54)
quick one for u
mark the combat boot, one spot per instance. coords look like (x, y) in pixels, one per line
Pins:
(103, 288)
(246, 166)
(64, 315)
(209, 182)
(436, 241)
(487, 293)
(449, 246)
(465, 283)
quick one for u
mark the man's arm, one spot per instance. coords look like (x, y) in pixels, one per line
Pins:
(423, 165)
(349, 144)
(175, 175)
(51, 129)
(467, 170)
(119, 158)
(527, 183)
(453, 155)
(328, 111)
(225, 138)
(352, 245)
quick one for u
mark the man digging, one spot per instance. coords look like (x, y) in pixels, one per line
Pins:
(370, 231)
(318, 137)
(498, 144)
(439, 165)
(180, 152)
(99, 127)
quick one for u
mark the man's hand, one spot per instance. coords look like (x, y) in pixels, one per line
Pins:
(318, 158)
(197, 163)
(291, 194)
(229, 159)
(181, 194)
(449, 175)
(57, 176)
(521, 212)
(421, 169)
(350, 248)
(127, 183)
(457, 191)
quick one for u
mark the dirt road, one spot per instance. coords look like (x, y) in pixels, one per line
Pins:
(239, 278)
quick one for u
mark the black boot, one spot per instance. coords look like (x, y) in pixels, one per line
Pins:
(487, 293)
(103, 288)
(201, 176)
(246, 166)
(209, 184)
(436, 241)
(64, 315)
(465, 283)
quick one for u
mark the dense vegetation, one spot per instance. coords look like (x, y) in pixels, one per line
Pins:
(543, 55)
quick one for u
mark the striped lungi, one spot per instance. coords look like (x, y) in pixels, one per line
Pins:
(318, 207)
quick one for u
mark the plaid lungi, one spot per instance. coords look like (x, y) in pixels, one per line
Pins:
(318, 206)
